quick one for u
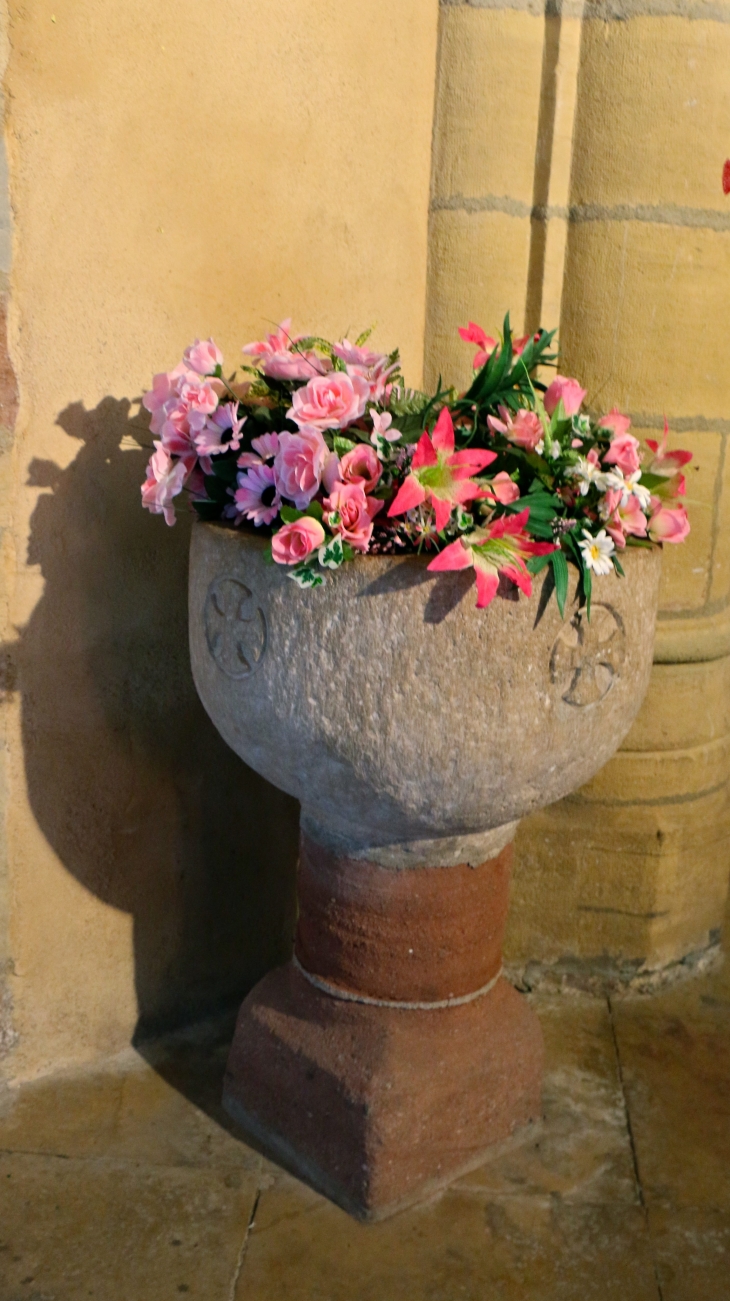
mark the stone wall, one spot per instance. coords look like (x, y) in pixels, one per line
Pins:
(577, 178)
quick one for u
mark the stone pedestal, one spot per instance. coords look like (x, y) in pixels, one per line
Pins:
(390, 1054)
(415, 730)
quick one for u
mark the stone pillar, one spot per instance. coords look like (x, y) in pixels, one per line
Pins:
(625, 109)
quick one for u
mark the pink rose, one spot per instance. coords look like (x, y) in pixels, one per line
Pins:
(295, 542)
(165, 479)
(295, 365)
(350, 513)
(203, 358)
(616, 422)
(504, 489)
(623, 452)
(362, 466)
(330, 401)
(567, 391)
(524, 428)
(668, 523)
(299, 465)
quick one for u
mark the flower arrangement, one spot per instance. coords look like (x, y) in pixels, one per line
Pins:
(325, 450)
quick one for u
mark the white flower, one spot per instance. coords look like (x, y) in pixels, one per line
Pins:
(610, 480)
(637, 490)
(555, 449)
(586, 473)
(597, 551)
(581, 425)
(540, 447)
(382, 420)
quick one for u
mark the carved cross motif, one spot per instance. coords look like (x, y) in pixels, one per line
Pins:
(235, 627)
(587, 657)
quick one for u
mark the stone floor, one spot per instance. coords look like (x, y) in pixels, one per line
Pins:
(129, 1184)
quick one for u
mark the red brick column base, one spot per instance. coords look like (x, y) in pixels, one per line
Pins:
(377, 1105)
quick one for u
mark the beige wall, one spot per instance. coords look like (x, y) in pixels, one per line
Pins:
(176, 169)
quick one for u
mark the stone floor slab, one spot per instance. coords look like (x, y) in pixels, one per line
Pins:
(583, 1151)
(119, 1231)
(465, 1246)
(675, 1056)
(166, 1111)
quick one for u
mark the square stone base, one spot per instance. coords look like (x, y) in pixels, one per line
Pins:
(376, 1107)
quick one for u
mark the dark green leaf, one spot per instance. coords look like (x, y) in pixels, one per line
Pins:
(560, 574)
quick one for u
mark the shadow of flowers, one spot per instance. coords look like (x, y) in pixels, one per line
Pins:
(128, 779)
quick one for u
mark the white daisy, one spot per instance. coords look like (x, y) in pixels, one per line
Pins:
(597, 551)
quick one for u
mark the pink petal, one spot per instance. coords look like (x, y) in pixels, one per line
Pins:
(455, 556)
(424, 453)
(409, 494)
(487, 584)
(442, 510)
(473, 459)
(519, 576)
(443, 434)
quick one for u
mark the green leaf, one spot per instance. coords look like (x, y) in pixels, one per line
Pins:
(560, 574)
(207, 510)
(305, 576)
(618, 566)
(651, 481)
(587, 589)
(332, 554)
(536, 564)
(290, 514)
(362, 339)
(343, 445)
(314, 510)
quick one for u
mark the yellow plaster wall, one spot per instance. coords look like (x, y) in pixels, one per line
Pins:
(176, 169)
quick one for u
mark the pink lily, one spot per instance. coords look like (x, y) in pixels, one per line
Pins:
(668, 523)
(473, 333)
(440, 475)
(668, 465)
(502, 548)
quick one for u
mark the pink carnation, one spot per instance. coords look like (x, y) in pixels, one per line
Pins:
(165, 479)
(281, 359)
(362, 466)
(350, 513)
(203, 357)
(299, 465)
(567, 391)
(296, 542)
(330, 401)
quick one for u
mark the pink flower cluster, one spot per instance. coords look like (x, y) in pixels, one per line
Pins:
(189, 425)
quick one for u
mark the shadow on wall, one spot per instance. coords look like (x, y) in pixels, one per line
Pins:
(128, 779)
